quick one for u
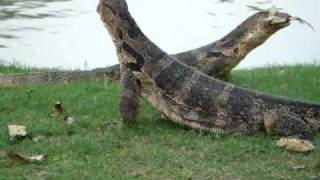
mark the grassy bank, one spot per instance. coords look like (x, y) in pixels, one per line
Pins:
(16, 67)
(97, 146)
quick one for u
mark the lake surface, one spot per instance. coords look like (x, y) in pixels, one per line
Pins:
(69, 34)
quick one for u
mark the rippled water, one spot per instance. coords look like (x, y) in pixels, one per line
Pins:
(69, 34)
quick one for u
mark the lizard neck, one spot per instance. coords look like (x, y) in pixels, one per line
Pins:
(133, 47)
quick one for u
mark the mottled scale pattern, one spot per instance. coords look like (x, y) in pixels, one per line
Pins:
(285, 123)
(189, 97)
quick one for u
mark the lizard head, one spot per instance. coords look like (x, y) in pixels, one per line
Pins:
(110, 9)
(260, 26)
(272, 17)
(280, 20)
(274, 20)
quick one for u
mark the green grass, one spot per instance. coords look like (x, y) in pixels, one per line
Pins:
(16, 67)
(98, 146)
(12, 69)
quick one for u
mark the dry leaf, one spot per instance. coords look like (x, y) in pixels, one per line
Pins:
(15, 156)
(296, 145)
(317, 167)
(39, 138)
(58, 110)
(27, 159)
(137, 171)
(3, 154)
(298, 168)
(184, 148)
(272, 11)
(41, 173)
(69, 120)
(16, 131)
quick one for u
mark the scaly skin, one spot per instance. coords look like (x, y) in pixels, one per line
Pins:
(219, 58)
(191, 98)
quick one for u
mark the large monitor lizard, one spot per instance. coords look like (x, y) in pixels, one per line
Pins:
(192, 98)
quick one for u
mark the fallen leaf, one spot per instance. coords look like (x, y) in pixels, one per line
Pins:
(39, 138)
(314, 177)
(317, 167)
(41, 173)
(58, 110)
(16, 131)
(69, 120)
(296, 145)
(15, 156)
(3, 154)
(184, 148)
(271, 10)
(27, 159)
(298, 168)
(137, 171)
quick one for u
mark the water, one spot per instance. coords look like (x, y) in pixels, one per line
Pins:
(69, 34)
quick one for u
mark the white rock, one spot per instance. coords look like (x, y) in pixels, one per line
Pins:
(17, 131)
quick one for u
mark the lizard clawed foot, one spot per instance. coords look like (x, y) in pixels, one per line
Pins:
(286, 123)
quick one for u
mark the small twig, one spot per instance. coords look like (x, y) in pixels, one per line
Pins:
(255, 8)
(273, 10)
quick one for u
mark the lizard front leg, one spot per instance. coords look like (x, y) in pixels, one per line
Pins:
(129, 97)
